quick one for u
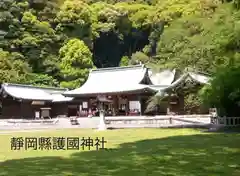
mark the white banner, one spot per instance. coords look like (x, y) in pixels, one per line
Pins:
(134, 105)
(85, 105)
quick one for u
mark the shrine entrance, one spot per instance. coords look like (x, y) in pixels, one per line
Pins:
(72, 110)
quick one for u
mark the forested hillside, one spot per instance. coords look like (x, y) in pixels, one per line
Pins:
(56, 42)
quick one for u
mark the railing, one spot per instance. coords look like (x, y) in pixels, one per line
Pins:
(159, 121)
(227, 121)
(174, 120)
(24, 121)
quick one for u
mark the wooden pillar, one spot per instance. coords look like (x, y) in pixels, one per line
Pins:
(181, 103)
(115, 105)
(1, 103)
(140, 104)
(127, 106)
(21, 109)
(168, 103)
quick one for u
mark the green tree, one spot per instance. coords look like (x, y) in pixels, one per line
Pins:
(224, 91)
(124, 61)
(138, 58)
(12, 69)
(76, 61)
(201, 43)
(201, 34)
(74, 20)
(35, 40)
(41, 80)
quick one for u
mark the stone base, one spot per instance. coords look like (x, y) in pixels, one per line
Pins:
(102, 128)
(102, 125)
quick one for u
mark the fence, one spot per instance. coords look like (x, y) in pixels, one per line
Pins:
(175, 120)
(227, 121)
(141, 121)
(159, 121)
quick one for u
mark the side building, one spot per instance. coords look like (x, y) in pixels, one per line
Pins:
(29, 102)
(178, 91)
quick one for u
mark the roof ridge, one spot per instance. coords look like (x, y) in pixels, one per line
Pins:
(118, 68)
(35, 87)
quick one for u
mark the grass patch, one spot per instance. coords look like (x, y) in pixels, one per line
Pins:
(142, 152)
(230, 129)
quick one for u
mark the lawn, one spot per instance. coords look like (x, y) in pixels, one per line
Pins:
(129, 152)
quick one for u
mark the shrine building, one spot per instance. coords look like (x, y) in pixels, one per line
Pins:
(122, 91)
